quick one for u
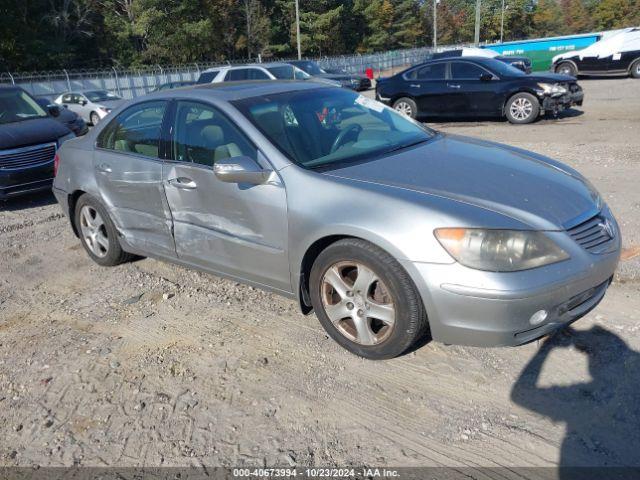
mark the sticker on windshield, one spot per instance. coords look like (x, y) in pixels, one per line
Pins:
(370, 104)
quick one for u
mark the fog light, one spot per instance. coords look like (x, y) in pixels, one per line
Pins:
(538, 317)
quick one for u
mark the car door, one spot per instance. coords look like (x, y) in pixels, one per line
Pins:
(71, 102)
(85, 107)
(427, 84)
(128, 171)
(592, 63)
(235, 229)
(472, 90)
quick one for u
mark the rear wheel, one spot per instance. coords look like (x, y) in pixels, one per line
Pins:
(98, 234)
(95, 118)
(406, 106)
(365, 300)
(635, 69)
(522, 108)
(567, 68)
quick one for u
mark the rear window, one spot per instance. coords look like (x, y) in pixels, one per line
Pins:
(207, 77)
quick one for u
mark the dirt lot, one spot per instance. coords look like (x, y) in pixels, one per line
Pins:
(152, 364)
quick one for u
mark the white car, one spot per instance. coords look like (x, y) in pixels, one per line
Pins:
(259, 71)
(91, 105)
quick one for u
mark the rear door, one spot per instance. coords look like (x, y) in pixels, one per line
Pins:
(128, 170)
(468, 94)
(427, 84)
(235, 229)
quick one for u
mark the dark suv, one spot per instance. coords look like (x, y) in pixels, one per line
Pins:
(29, 139)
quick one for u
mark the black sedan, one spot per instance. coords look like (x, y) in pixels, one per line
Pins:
(477, 87)
(348, 80)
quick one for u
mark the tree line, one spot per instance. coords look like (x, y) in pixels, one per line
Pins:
(56, 34)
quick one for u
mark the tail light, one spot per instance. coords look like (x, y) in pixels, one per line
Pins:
(56, 163)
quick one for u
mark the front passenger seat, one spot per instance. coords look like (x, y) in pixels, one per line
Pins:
(214, 135)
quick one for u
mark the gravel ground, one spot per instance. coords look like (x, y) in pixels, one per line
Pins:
(152, 364)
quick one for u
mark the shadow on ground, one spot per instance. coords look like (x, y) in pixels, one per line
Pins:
(602, 416)
(30, 200)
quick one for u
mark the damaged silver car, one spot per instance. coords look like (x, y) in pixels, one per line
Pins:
(388, 230)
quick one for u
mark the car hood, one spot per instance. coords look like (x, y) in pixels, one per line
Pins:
(30, 132)
(551, 77)
(112, 104)
(522, 185)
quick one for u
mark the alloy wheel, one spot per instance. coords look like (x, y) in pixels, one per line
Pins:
(358, 303)
(404, 108)
(94, 232)
(566, 70)
(521, 108)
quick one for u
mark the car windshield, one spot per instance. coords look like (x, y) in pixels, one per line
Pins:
(312, 68)
(503, 69)
(288, 72)
(101, 96)
(331, 126)
(17, 105)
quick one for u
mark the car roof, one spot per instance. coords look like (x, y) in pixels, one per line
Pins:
(245, 65)
(230, 91)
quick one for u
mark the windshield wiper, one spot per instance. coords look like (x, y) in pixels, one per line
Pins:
(406, 145)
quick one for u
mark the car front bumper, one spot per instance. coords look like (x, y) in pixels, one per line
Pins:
(473, 307)
(562, 102)
(27, 180)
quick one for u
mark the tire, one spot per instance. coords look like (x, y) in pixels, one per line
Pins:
(94, 118)
(635, 69)
(98, 234)
(567, 68)
(522, 108)
(406, 106)
(381, 322)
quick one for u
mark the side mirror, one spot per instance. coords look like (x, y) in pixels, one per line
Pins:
(486, 77)
(54, 110)
(240, 170)
(83, 102)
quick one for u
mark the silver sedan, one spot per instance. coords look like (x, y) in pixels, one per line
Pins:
(388, 230)
(91, 105)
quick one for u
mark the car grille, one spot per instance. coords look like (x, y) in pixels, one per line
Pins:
(27, 156)
(594, 234)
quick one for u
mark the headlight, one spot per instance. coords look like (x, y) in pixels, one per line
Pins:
(552, 88)
(499, 250)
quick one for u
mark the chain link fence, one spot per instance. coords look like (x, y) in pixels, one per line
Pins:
(135, 82)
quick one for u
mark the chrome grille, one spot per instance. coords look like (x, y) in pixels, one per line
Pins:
(27, 156)
(594, 234)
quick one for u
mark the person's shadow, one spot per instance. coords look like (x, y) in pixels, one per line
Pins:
(602, 416)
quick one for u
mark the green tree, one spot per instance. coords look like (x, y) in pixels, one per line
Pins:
(547, 18)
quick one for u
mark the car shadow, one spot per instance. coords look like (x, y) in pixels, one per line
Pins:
(602, 416)
(480, 121)
(31, 200)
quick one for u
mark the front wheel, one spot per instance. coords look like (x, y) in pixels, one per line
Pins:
(522, 108)
(406, 106)
(95, 118)
(365, 300)
(635, 69)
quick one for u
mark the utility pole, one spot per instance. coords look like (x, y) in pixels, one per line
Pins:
(502, 23)
(476, 38)
(298, 30)
(435, 24)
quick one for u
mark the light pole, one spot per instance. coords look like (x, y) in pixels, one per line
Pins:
(502, 21)
(435, 23)
(298, 30)
(476, 37)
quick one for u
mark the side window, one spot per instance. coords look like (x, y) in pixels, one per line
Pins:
(207, 77)
(79, 99)
(136, 130)
(67, 98)
(257, 74)
(435, 71)
(204, 136)
(237, 74)
(466, 71)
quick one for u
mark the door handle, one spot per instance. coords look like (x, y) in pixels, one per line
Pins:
(104, 168)
(183, 183)
(450, 85)
(414, 85)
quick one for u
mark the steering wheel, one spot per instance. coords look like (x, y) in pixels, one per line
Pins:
(342, 136)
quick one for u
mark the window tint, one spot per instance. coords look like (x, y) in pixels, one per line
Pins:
(136, 130)
(67, 98)
(237, 74)
(257, 74)
(466, 71)
(207, 77)
(203, 135)
(434, 71)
